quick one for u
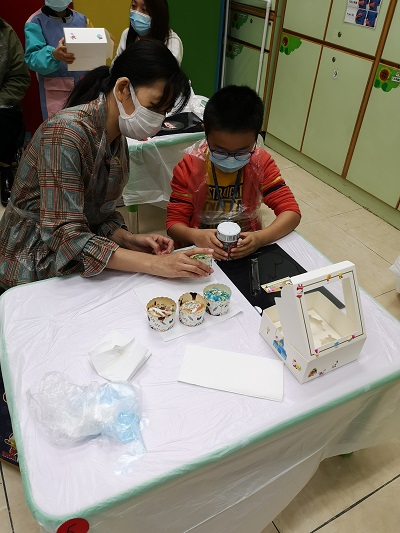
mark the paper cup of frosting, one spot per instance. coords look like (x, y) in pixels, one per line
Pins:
(192, 307)
(161, 313)
(218, 297)
(204, 258)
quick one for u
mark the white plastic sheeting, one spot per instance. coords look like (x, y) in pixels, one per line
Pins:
(151, 165)
(215, 461)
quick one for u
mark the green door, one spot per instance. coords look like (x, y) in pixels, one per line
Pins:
(294, 79)
(241, 66)
(353, 36)
(391, 52)
(375, 163)
(338, 93)
(308, 17)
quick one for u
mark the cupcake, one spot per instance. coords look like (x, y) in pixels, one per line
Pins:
(204, 258)
(192, 307)
(218, 297)
(161, 313)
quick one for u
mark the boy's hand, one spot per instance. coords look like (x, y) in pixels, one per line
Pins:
(248, 243)
(207, 238)
(60, 53)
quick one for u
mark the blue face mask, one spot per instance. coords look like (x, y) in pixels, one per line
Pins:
(230, 164)
(140, 22)
(57, 5)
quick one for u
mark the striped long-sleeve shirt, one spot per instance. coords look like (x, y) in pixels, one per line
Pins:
(61, 212)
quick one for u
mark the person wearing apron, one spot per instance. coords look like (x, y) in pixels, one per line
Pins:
(47, 55)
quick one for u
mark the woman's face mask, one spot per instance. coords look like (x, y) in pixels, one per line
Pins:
(140, 22)
(142, 123)
(57, 5)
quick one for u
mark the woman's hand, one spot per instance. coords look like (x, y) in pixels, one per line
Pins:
(248, 243)
(181, 265)
(150, 244)
(207, 238)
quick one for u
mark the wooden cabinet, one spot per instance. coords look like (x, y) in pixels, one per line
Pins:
(352, 36)
(294, 80)
(307, 17)
(337, 98)
(248, 28)
(375, 163)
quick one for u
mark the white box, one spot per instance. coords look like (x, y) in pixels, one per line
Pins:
(90, 46)
(307, 330)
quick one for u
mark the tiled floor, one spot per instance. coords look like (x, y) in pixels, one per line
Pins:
(359, 493)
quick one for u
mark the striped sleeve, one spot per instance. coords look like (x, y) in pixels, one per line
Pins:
(276, 194)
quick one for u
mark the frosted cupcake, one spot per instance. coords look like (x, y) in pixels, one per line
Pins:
(161, 313)
(192, 307)
(218, 297)
(204, 258)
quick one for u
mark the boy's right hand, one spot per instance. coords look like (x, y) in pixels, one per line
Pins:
(60, 53)
(207, 238)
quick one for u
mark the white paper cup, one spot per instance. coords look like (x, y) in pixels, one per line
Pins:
(192, 307)
(218, 297)
(161, 313)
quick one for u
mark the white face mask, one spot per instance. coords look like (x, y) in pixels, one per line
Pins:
(142, 123)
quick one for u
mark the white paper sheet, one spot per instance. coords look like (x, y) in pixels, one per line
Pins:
(116, 358)
(174, 289)
(233, 372)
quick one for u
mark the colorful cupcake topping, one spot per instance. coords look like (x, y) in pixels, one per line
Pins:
(216, 295)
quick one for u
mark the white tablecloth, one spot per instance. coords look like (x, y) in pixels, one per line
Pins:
(215, 461)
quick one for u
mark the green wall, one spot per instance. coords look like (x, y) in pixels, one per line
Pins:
(198, 26)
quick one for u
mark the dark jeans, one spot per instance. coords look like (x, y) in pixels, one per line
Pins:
(10, 129)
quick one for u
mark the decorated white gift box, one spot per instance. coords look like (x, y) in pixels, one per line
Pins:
(90, 46)
(309, 331)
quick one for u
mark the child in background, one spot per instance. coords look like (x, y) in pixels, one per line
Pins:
(227, 177)
(46, 53)
(149, 19)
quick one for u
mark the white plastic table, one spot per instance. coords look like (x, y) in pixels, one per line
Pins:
(215, 461)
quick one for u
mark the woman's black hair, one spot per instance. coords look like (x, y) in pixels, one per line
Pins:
(143, 63)
(235, 109)
(159, 30)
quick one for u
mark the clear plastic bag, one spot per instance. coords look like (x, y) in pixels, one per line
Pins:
(70, 413)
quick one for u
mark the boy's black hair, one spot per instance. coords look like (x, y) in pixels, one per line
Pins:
(235, 109)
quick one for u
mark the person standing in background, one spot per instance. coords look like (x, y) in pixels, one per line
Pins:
(150, 19)
(46, 53)
(14, 81)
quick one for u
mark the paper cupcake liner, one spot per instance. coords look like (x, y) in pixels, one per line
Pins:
(192, 307)
(217, 307)
(155, 309)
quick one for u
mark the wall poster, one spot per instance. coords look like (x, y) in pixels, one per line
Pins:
(363, 12)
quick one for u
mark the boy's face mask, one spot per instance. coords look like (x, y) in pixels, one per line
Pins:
(57, 5)
(140, 22)
(230, 164)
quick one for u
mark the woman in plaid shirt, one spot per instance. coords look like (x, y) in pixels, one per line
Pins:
(61, 218)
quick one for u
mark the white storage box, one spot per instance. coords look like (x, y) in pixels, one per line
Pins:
(306, 328)
(90, 46)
